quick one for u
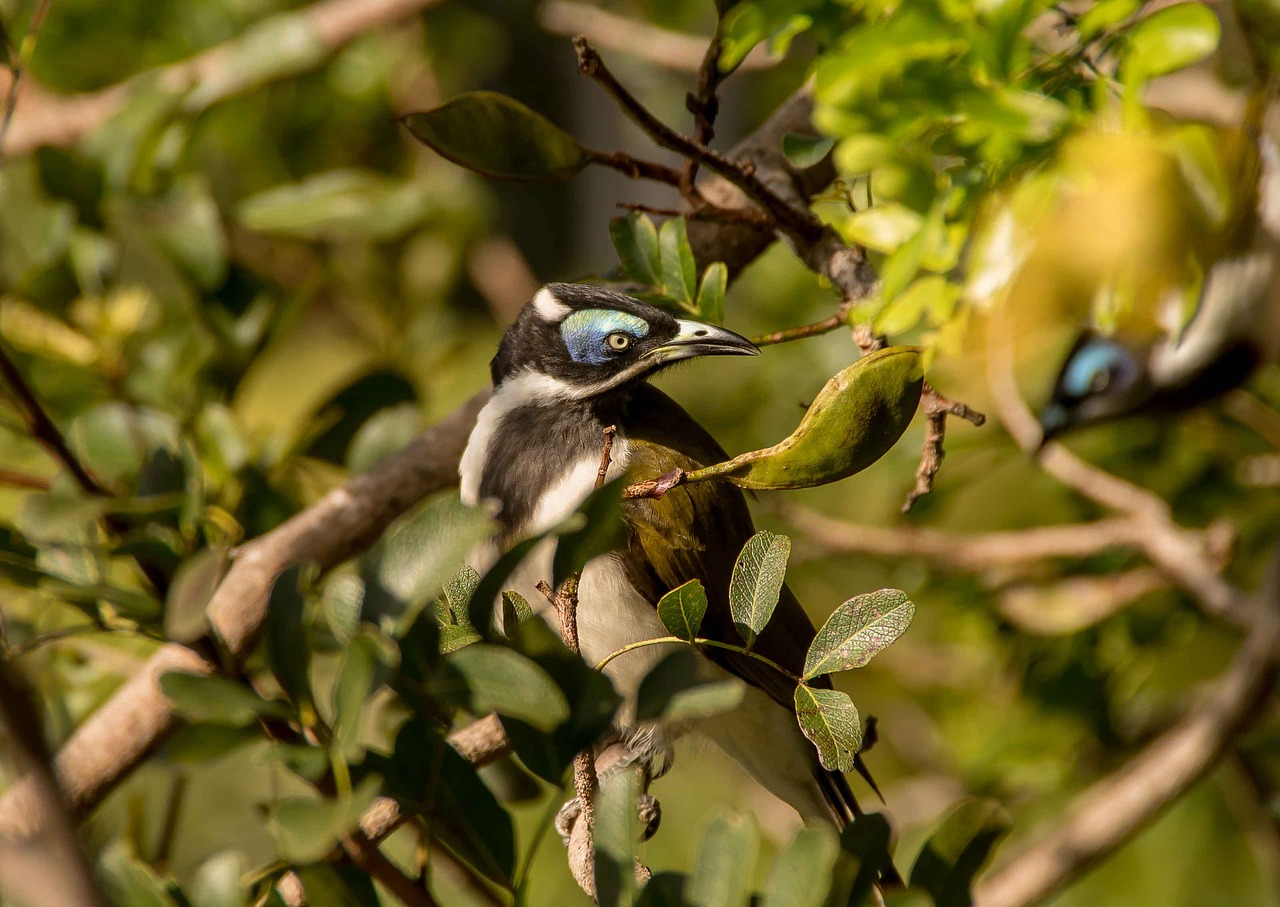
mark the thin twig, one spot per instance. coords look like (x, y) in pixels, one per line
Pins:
(800, 224)
(24, 60)
(786, 335)
(703, 104)
(706, 211)
(636, 168)
(15, 479)
(365, 854)
(936, 408)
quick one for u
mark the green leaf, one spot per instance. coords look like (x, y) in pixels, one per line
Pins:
(127, 880)
(757, 582)
(673, 691)
(679, 273)
(715, 280)
(594, 530)
(805, 151)
(385, 432)
(340, 885)
(428, 777)
(1103, 15)
(1171, 39)
(498, 136)
(681, 610)
(857, 630)
(484, 678)
(217, 700)
(515, 608)
(361, 663)
(867, 841)
(339, 206)
(617, 831)
(883, 227)
(308, 828)
(957, 851)
(726, 864)
(195, 743)
(830, 721)
(636, 240)
(854, 420)
(288, 651)
(802, 872)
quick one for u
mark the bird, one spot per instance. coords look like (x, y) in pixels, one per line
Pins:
(1159, 364)
(576, 360)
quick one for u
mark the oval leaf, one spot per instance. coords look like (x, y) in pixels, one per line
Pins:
(498, 136)
(636, 240)
(802, 873)
(830, 721)
(681, 610)
(673, 691)
(956, 852)
(715, 280)
(679, 273)
(216, 700)
(857, 630)
(757, 582)
(490, 678)
(1171, 39)
(726, 863)
(854, 420)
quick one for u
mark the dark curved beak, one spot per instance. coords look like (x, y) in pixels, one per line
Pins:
(698, 339)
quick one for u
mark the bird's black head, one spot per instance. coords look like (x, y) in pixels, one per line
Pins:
(592, 341)
(1101, 379)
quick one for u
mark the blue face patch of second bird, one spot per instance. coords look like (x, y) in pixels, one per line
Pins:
(584, 333)
(1087, 362)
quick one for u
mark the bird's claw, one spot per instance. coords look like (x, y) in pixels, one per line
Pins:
(647, 808)
(565, 818)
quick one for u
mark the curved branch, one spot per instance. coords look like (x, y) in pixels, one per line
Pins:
(315, 33)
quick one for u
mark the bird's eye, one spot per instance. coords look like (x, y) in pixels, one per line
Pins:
(1101, 380)
(618, 341)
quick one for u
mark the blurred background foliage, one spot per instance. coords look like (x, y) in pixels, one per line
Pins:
(231, 305)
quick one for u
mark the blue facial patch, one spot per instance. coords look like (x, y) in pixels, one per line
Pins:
(584, 333)
(1088, 362)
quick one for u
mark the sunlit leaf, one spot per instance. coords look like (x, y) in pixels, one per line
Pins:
(806, 150)
(830, 721)
(857, 630)
(498, 136)
(756, 583)
(1171, 39)
(710, 304)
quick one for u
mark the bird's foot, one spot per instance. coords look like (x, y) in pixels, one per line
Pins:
(647, 808)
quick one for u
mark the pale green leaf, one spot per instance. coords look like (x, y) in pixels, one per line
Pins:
(830, 721)
(857, 630)
(757, 581)
(681, 610)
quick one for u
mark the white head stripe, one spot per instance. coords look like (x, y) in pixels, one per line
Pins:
(548, 307)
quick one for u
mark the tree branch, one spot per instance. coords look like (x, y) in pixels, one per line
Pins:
(137, 718)
(211, 76)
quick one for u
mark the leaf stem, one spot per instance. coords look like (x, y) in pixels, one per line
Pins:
(697, 641)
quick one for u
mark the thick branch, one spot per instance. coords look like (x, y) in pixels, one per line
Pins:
(1118, 806)
(136, 719)
(315, 33)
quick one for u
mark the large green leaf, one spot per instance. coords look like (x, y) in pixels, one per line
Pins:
(710, 305)
(726, 864)
(953, 855)
(617, 830)
(857, 630)
(217, 700)
(854, 420)
(757, 582)
(679, 272)
(486, 677)
(309, 827)
(288, 650)
(636, 240)
(674, 691)
(681, 610)
(802, 873)
(1172, 38)
(594, 530)
(498, 136)
(830, 721)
